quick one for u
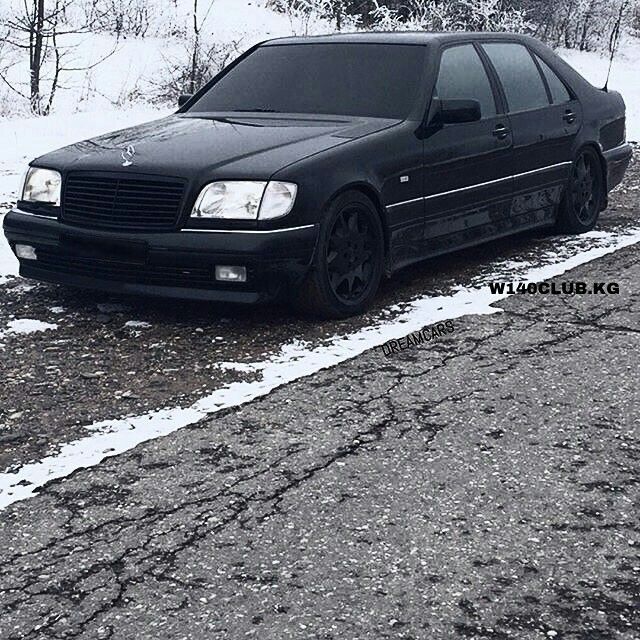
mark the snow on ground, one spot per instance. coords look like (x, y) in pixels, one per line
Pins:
(298, 359)
(28, 325)
(137, 324)
(624, 76)
(25, 326)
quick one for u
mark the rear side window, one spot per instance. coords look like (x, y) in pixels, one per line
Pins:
(558, 90)
(520, 78)
(462, 76)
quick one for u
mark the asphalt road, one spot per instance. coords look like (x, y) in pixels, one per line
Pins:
(483, 485)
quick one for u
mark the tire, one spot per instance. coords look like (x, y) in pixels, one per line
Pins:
(348, 262)
(582, 201)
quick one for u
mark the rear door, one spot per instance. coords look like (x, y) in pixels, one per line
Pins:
(545, 120)
(467, 166)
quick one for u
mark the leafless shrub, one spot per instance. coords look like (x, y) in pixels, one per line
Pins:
(121, 17)
(181, 76)
(303, 13)
(455, 15)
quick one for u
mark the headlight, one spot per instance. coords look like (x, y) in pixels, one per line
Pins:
(245, 200)
(42, 185)
(277, 200)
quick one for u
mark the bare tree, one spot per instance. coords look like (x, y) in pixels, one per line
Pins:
(195, 53)
(37, 29)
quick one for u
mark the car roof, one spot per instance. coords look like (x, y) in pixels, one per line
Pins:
(423, 38)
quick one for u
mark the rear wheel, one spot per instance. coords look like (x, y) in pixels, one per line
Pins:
(582, 201)
(349, 259)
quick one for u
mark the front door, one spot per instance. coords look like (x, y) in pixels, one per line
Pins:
(467, 166)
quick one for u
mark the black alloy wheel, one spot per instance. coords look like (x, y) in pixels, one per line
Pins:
(350, 254)
(349, 259)
(583, 200)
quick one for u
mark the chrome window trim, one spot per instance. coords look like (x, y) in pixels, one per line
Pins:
(479, 185)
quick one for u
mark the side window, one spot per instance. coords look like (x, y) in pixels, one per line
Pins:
(462, 77)
(520, 78)
(558, 90)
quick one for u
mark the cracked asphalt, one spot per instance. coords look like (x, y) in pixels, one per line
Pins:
(485, 485)
(482, 486)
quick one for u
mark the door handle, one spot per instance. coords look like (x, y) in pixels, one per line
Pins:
(569, 116)
(500, 132)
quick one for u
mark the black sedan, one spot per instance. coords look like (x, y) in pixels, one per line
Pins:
(311, 167)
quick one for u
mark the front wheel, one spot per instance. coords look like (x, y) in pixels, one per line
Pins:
(582, 201)
(349, 259)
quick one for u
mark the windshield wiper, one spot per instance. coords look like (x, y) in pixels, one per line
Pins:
(234, 122)
(255, 110)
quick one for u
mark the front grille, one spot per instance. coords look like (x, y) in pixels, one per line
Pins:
(131, 203)
(168, 276)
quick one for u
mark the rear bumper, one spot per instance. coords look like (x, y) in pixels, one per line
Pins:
(617, 160)
(178, 265)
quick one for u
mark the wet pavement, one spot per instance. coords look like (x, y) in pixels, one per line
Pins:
(483, 485)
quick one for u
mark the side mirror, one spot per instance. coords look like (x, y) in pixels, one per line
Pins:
(184, 98)
(459, 111)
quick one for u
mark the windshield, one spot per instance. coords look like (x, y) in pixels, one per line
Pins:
(376, 80)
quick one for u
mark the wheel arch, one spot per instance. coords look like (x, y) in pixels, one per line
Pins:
(595, 147)
(373, 194)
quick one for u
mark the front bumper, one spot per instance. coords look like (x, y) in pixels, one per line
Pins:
(617, 160)
(179, 264)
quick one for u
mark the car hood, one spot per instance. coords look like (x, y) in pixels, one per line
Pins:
(221, 145)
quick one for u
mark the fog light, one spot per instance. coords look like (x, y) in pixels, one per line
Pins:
(26, 252)
(231, 274)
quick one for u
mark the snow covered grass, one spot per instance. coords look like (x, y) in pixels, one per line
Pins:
(137, 324)
(299, 359)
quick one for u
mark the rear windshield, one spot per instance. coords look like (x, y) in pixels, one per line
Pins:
(377, 80)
